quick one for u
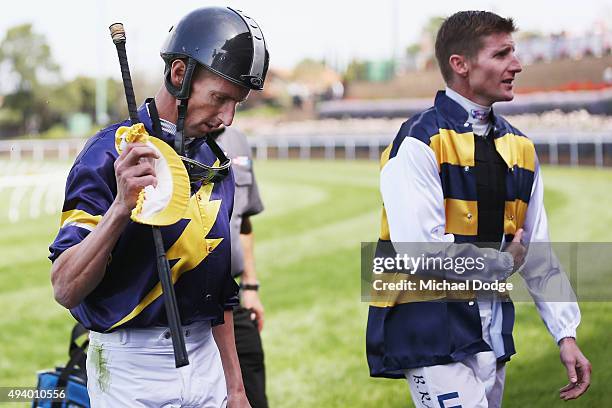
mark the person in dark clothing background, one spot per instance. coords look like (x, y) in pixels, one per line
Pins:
(249, 316)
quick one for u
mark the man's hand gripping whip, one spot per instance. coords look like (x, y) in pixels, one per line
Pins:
(163, 267)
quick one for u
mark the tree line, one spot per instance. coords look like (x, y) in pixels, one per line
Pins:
(34, 99)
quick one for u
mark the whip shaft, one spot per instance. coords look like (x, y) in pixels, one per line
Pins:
(163, 268)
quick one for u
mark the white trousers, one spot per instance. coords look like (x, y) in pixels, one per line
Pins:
(475, 382)
(135, 368)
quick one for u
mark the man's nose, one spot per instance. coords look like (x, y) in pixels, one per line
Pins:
(227, 113)
(516, 66)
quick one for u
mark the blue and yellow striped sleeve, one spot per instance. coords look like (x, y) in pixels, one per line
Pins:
(90, 190)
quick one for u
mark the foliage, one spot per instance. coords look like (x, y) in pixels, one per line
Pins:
(432, 26)
(357, 70)
(35, 97)
(26, 58)
(413, 49)
(79, 95)
(308, 70)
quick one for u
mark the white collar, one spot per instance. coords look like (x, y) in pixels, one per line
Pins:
(478, 115)
(169, 127)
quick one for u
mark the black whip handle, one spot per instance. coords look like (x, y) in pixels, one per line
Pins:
(127, 82)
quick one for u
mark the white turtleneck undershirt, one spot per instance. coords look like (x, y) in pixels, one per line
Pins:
(478, 115)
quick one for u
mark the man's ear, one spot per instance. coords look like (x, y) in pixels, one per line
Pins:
(459, 64)
(177, 72)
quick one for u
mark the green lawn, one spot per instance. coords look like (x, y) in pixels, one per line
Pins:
(307, 247)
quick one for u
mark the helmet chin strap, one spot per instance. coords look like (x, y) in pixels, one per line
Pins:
(181, 94)
(179, 136)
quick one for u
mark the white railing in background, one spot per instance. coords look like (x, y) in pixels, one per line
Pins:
(31, 188)
(330, 147)
(550, 145)
(33, 172)
(40, 149)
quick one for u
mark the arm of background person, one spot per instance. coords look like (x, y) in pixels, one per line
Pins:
(546, 282)
(250, 298)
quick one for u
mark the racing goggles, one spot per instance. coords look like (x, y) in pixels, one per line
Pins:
(200, 172)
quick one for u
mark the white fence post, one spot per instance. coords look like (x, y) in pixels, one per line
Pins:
(283, 149)
(553, 152)
(262, 150)
(38, 151)
(374, 149)
(304, 148)
(63, 151)
(349, 149)
(573, 152)
(599, 158)
(15, 151)
(330, 149)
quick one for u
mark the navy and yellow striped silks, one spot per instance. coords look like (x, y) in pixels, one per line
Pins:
(454, 152)
(79, 218)
(406, 330)
(453, 148)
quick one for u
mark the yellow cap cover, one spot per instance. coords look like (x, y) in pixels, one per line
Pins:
(165, 204)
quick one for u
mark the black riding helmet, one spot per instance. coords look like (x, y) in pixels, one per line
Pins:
(228, 43)
(225, 41)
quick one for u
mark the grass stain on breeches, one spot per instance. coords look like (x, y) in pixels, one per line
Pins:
(100, 362)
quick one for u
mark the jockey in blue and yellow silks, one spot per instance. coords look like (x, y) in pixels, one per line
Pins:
(463, 183)
(198, 246)
(449, 140)
(430, 191)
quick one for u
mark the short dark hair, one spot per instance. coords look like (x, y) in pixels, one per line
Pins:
(462, 34)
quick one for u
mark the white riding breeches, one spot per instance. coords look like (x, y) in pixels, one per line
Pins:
(135, 368)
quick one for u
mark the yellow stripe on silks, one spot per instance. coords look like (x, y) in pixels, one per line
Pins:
(461, 216)
(516, 151)
(384, 225)
(385, 234)
(453, 148)
(384, 157)
(514, 215)
(79, 217)
(190, 249)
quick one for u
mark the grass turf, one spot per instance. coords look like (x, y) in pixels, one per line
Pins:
(307, 251)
